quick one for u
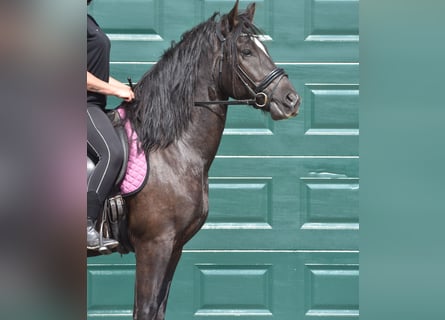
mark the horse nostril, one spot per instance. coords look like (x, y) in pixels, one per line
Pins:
(293, 99)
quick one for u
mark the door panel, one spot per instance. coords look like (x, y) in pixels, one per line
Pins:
(226, 284)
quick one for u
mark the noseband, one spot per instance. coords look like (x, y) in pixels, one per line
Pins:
(260, 99)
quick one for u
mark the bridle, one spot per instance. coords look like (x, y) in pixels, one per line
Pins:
(260, 99)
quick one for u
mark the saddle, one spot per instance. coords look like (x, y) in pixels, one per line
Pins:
(130, 180)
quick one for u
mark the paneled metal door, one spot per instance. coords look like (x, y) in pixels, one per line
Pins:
(281, 240)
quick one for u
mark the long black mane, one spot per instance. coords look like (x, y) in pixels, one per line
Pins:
(165, 94)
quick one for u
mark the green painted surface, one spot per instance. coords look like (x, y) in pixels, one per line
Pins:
(270, 284)
(281, 240)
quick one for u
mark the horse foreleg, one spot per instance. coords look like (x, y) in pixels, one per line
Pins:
(168, 280)
(155, 265)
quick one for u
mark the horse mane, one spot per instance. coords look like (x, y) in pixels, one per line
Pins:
(165, 94)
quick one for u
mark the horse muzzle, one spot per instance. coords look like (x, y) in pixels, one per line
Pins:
(285, 107)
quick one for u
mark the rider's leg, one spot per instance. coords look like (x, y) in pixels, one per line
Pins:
(104, 142)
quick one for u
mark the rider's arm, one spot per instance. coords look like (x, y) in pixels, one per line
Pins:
(117, 83)
(114, 88)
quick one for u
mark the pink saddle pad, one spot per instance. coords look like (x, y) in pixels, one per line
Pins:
(136, 173)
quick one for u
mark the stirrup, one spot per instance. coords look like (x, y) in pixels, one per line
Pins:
(102, 247)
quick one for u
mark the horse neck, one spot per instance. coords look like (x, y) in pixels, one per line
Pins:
(208, 122)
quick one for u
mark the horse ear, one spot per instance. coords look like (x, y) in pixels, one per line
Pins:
(233, 16)
(250, 11)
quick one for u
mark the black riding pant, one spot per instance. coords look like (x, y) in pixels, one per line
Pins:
(103, 143)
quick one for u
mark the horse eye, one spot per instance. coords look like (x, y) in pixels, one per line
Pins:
(246, 52)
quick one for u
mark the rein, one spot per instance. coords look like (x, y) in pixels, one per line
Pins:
(260, 98)
(226, 102)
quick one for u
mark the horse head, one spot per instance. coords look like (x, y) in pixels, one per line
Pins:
(252, 73)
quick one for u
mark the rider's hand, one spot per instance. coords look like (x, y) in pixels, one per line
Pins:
(125, 93)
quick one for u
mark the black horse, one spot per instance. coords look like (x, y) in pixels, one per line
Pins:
(179, 117)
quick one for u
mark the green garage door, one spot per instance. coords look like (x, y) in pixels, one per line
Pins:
(281, 240)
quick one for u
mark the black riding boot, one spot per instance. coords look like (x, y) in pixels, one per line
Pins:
(93, 237)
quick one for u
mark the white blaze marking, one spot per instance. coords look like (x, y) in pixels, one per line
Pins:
(260, 45)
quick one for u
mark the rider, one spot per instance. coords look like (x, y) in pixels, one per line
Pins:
(101, 137)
